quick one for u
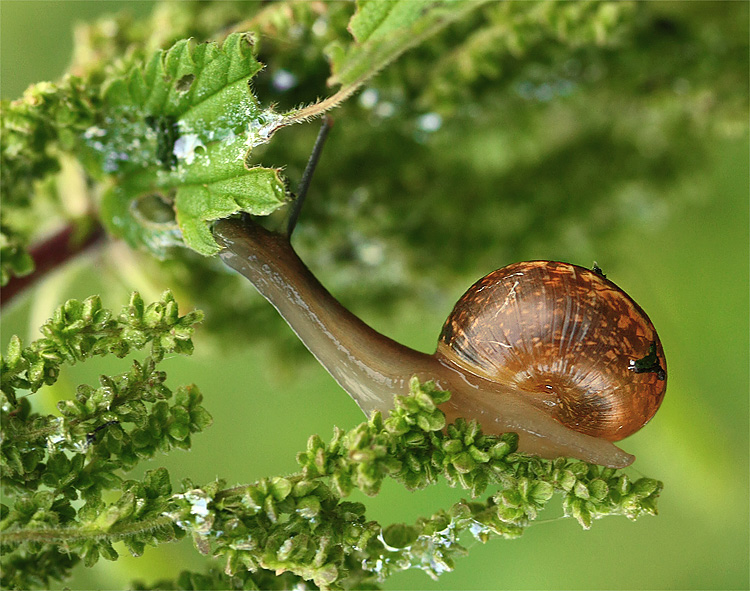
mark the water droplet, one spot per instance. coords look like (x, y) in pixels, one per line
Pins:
(283, 80)
(320, 27)
(385, 109)
(185, 147)
(371, 254)
(430, 122)
(369, 98)
(93, 132)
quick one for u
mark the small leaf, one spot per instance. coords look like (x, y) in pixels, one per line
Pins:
(157, 482)
(463, 462)
(384, 30)
(280, 488)
(541, 492)
(581, 491)
(645, 487)
(598, 489)
(180, 128)
(308, 507)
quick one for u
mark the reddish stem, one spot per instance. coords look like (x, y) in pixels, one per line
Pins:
(49, 255)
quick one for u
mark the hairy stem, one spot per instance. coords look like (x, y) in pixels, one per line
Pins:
(317, 109)
(53, 535)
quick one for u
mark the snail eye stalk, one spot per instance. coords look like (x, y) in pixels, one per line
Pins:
(304, 183)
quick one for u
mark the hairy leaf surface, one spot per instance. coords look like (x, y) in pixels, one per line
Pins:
(176, 135)
(384, 30)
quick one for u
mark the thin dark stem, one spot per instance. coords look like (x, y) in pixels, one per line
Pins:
(304, 183)
(49, 255)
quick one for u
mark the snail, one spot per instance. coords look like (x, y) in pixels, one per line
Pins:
(553, 351)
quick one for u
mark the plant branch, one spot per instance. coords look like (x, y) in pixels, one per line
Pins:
(300, 523)
(69, 534)
(51, 254)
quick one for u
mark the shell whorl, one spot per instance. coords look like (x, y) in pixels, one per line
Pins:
(566, 336)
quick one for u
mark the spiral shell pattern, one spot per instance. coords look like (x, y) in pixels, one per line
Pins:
(567, 337)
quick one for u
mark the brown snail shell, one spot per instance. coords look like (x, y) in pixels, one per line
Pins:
(566, 336)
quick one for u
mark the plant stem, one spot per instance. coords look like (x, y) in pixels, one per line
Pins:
(51, 254)
(69, 534)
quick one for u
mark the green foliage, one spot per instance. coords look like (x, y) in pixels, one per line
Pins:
(300, 524)
(32, 131)
(541, 149)
(384, 30)
(59, 470)
(15, 259)
(79, 330)
(182, 127)
(524, 95)
(174, 131)
(215, 579)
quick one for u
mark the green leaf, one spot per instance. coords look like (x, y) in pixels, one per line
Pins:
(384, 29)
(14, 258)
(309, 507)
(176, 134)
(541, 492)
(258, 190)
(280, 488)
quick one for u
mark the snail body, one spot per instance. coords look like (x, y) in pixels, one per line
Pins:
(551, 351)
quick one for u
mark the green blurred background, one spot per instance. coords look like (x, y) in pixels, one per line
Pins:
(686, 264)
